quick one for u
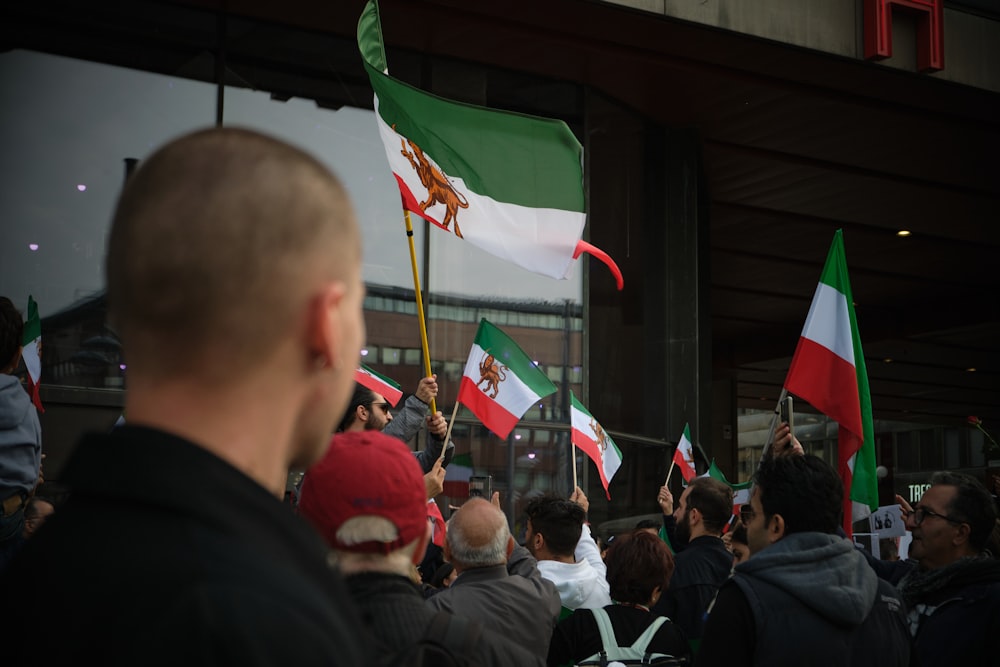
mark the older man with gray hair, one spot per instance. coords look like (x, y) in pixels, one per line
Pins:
(498, 581)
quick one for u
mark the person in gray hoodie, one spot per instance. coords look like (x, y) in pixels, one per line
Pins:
(805, 596)
(20, 436)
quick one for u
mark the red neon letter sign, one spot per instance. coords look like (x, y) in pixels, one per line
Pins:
(930, 31)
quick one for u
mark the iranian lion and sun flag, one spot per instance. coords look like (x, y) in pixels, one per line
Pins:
(508, 183)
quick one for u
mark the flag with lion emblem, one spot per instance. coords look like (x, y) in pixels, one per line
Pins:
(595, 442)
(500, 381)
(508, 183)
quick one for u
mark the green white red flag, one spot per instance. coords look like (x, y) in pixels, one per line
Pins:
(379, 383)
(500, 381)
(508, 183)
(594, 441)
(684, 455)
(457, 474)
(32, 353)
(828, 370)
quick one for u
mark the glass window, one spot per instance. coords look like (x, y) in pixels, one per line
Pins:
(390, 356)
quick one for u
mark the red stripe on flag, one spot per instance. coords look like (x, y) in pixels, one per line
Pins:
(456, 489)
(588, 446)
(411, 204)
(828, 382)
(490, 413)
(36, 397)
(848, 445)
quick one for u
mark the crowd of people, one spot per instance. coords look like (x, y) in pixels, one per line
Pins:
(174, 546)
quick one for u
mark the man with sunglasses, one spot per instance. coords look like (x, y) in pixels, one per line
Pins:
(369, 411)
(806, 596)
(953, 591)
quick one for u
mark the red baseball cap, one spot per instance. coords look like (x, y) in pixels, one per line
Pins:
(366, 473)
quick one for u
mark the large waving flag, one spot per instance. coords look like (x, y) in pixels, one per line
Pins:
(379, 383)
(508, 183)
(684, 455)
(500, 382)
(828, 370)
(595, 442)
(32, 354)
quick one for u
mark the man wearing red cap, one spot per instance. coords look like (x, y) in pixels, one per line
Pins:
(367, 499)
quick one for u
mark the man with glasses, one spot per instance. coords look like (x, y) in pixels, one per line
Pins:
(806, 596)
(953, 591)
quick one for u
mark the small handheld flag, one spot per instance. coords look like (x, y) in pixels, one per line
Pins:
(595, 442)
(500, 381)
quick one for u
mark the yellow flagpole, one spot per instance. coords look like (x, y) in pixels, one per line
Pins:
(420, 303)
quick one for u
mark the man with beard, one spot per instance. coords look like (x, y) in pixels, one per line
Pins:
(702, 563)
(369, 411)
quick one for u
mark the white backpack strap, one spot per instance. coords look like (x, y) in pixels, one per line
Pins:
(608, 639)
(642, 643)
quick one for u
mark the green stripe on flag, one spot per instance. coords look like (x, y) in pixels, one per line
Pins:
(32, 324)
(507, 352)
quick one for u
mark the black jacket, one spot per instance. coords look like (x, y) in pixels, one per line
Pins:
(166, 555)
(699, 570)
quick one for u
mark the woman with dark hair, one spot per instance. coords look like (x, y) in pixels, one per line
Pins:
(639, 569)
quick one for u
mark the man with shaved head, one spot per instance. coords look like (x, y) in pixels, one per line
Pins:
(234, 282)
(498, 581)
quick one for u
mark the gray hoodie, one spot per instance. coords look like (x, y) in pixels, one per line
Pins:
(823, 572)
(20, 439)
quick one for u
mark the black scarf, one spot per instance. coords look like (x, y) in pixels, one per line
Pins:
(919, 585)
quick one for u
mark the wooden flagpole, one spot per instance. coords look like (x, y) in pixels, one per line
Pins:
(420, 309)
(669, 472)
(447, 435)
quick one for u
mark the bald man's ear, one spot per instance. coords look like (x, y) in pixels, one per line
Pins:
(446, 551)
(510, 545)
(325, 334)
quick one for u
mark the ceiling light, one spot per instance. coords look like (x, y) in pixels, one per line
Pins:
(971, 369)
(903, 232)
(888, 360)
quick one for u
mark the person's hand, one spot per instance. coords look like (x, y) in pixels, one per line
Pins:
(427, 390)
(904, 506)
(666, 500)
(437, 425)
(495, 500)
(580, 498)
(785, 443)
(434, 480)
